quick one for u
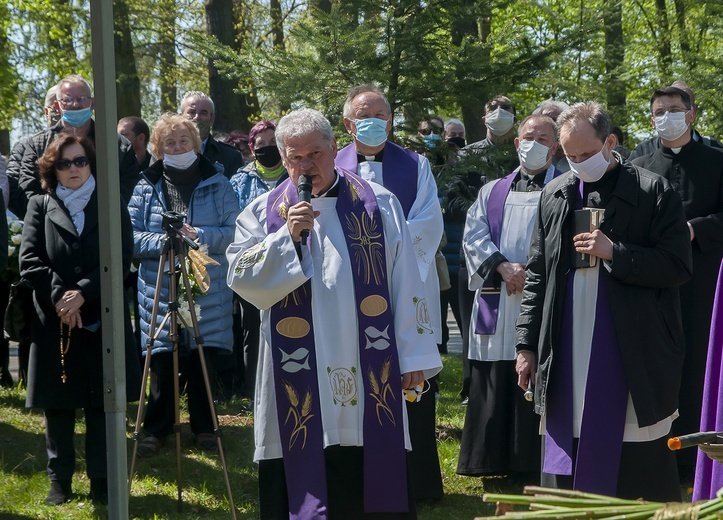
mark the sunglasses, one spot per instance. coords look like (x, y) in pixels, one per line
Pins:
(79, 162)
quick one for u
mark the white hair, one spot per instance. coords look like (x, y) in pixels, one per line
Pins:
(198, 95)
(300, 123)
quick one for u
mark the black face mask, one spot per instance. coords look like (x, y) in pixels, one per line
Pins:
(268, 156)
(456, 142)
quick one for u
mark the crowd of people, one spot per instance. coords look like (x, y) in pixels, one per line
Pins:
(581, 275)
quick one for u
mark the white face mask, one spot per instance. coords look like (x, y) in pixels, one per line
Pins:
(533, 155)
(591, 169)
(671, 125)
(499, 121)
(182, 161)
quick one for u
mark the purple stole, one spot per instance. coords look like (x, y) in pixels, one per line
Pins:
(400, 167)
(708, 473)
(606, 398)
(295, 371)
(489, 298)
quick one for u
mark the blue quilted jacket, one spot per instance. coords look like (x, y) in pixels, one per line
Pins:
(212, 210)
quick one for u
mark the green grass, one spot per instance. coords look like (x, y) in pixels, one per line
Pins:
(24, 484)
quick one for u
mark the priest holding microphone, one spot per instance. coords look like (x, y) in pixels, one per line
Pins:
(339, 336)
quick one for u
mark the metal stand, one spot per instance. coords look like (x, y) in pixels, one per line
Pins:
(173, 251)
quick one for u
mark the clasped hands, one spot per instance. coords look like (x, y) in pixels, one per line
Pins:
(68, 308)
(513, 274)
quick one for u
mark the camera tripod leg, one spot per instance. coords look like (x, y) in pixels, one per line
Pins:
(209, 394)
(147, 366)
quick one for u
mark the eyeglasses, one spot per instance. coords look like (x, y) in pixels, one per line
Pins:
(79, 162)
(70, 100)
(431, 130)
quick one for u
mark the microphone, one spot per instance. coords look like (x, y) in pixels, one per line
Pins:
(304, 189)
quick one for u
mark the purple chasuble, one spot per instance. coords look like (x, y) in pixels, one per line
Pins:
(400, 169)
(709, 473)
(605, 405)
(295, 370)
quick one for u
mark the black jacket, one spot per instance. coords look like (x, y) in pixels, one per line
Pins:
(224, 154)
(23, 167)
(651, 257)
(54, 259)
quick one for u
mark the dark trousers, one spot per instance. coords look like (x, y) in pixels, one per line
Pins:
(239, 376)
(344, 483)
(466, 300)
(160, 410)
(59, 429)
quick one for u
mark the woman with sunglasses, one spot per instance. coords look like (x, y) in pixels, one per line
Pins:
(60, 258)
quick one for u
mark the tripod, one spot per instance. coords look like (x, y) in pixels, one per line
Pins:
(173, 250)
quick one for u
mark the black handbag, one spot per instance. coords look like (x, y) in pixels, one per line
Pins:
(20, 305)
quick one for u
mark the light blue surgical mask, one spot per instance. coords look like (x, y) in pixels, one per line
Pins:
(76, 118)
(371, 131)
(432, 140)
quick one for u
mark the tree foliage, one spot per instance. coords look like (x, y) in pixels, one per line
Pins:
(430, 56)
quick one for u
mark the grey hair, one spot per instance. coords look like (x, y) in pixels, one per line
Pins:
(549, 105)
(75, 78)
(592, 112)
(199, 95)
(537, 118)
(357, 91)
(455, 122)
(51, 96)
(301, 123)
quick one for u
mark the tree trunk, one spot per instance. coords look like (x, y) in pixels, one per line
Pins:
(685, 49)
(220, 23)
(665, 58)
(471, 106)
(128, 85)
(614, 60)
(248, 106)
(167, 45)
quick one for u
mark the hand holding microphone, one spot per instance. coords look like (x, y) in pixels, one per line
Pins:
(301, 216)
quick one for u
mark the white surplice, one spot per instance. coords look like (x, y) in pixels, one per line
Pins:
(425, 227)
(518, 221)
(272, 269)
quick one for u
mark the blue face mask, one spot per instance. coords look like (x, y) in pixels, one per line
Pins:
(371, 131)
(76, 118)
(432, 140)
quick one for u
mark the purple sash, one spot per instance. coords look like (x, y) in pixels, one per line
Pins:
(489, 299)
(400, 169)
(606, 397)
(295, 373)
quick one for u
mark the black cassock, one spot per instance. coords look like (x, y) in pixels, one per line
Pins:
(696, 172)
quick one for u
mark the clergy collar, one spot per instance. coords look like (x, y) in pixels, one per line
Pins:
(368, 158)
(331, 192)
(682, 150)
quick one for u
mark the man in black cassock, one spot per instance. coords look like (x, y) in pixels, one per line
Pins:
(696, 172)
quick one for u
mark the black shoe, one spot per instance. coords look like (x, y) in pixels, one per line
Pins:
(60, 492)
(99, 490)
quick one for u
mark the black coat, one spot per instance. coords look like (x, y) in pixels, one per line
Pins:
(651, 257)
(224, 154)
(54, 259)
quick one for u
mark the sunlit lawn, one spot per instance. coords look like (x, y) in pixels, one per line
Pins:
(24, 484)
